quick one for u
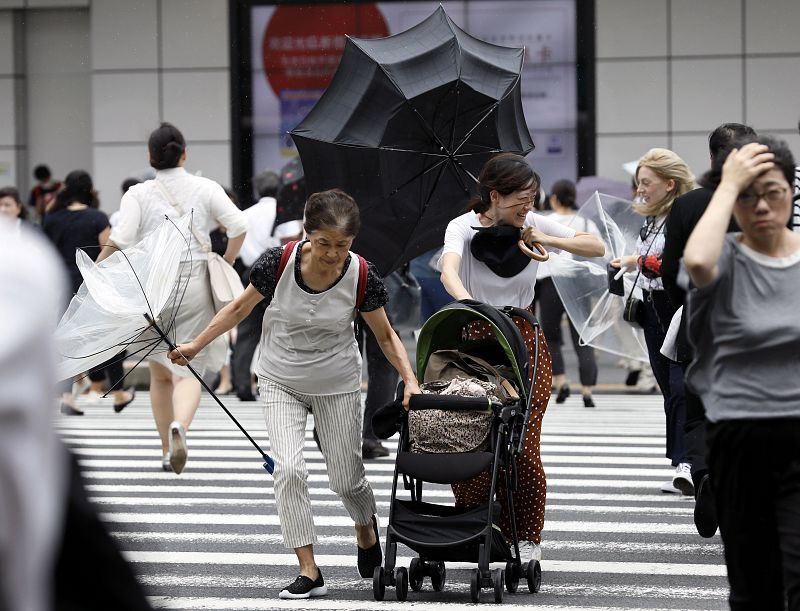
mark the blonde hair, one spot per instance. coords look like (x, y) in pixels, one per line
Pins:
(667, 166)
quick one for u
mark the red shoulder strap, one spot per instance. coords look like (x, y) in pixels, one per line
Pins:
(363, 269)
(287, 252)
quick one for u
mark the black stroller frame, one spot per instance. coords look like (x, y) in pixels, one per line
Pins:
(419, 525)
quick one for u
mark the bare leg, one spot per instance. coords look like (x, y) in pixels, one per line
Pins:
(224, 386)
(365, 535)
(161, 402)
(308, 566)
(67, 398)
(185, 399)
(559, 380)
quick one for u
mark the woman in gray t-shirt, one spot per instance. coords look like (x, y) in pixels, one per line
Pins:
(744, 326)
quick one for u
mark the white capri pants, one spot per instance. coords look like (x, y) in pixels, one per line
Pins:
(338, 419)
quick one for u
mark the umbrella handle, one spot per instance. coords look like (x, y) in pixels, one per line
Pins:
(542, 255)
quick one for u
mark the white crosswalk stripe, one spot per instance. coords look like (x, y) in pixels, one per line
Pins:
(210, 538)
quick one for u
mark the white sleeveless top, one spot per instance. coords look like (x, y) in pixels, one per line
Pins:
(307, 340)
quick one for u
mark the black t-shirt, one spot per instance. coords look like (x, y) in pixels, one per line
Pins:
(263, 276)
(69, 230)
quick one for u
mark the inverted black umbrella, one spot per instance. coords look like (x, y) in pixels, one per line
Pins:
(405, 127)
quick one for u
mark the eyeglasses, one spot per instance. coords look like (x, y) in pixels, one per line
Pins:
(772, 196)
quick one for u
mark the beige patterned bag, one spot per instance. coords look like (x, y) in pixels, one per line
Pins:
(438, 431)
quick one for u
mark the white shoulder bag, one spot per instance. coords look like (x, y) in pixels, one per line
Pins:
(225, 282)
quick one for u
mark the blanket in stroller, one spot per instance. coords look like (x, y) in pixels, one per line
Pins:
(439, 431)
(451, 372)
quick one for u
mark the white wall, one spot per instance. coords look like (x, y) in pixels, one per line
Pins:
(57, 90)
(147, 61)
(152, 61)
(670, 71)
(11, 82)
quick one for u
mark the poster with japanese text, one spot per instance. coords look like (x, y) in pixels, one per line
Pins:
(296, 49)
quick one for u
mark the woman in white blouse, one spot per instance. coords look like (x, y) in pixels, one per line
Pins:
(174, 393)
(661, 177)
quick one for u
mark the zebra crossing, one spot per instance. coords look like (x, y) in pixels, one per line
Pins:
(210, 538)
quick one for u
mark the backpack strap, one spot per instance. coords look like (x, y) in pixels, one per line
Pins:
(363, 269)
(287, 252)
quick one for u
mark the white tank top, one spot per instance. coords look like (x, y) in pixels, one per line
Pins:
(307, 340)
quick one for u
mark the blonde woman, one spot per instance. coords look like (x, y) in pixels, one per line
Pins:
(661, 176)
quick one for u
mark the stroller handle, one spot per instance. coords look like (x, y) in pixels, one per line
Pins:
(451, 403)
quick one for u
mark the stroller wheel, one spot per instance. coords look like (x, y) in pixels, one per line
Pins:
(533, 573)
(439, 576)
(498, 577)
(416, 574)
(379, 583)
(401, 583)
(512, 577)
(475, 586)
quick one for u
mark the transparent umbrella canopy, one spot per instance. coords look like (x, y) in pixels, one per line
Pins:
(106, 316)
(582, 283)
(120, 302)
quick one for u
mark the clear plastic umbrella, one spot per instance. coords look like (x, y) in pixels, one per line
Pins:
(582, 283)
(120, 302)
(106, 316)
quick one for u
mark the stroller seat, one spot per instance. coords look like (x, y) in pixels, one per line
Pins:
(440, 533)
(443, 468)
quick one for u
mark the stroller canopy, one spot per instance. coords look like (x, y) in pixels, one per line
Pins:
(445, 331)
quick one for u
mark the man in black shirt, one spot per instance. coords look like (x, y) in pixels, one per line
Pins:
(684, 215)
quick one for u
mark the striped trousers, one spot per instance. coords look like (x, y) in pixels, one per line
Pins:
(338, 419)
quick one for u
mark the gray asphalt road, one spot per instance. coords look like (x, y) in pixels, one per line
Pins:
(209, 538)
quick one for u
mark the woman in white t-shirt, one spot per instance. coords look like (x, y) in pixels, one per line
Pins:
(501, 275)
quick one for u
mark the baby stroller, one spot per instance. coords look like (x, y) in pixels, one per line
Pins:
(440, 533)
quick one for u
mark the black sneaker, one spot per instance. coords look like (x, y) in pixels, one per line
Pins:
(305, 587)
(705, 514)
(588, 401)
(370, 559)
(563, 393)
(372, 448)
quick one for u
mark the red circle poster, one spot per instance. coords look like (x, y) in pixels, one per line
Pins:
(302, 44)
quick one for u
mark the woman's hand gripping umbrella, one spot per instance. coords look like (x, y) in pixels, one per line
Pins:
(121, 302)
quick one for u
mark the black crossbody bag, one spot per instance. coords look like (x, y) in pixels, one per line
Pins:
(634, 307)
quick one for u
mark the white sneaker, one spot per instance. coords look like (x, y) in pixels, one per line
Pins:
(668, 488)
(528, 550)
(683, 479)
(178, 453)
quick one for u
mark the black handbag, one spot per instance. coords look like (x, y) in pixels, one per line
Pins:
(634, 307)
(634, 310)
(615, 285)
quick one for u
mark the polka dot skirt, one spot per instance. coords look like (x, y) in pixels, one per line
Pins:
(529, 498)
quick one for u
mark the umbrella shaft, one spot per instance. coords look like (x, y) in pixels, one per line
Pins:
(204, 385)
